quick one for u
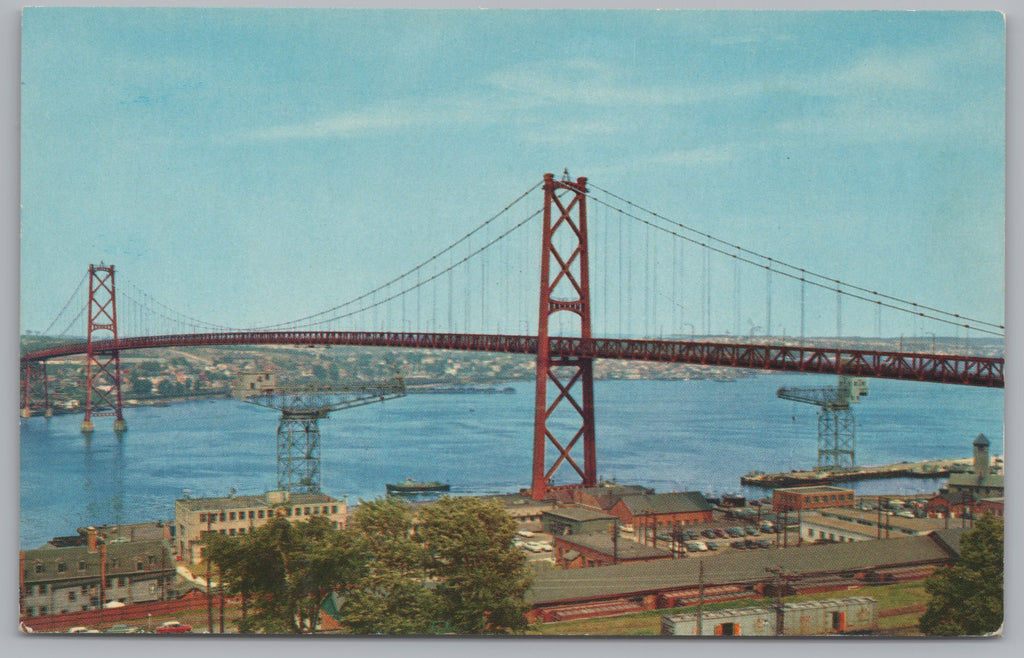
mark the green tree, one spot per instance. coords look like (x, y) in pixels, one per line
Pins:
(141, 386)
(393, 597)
(967, 598)
(284, 571)
(481, 578)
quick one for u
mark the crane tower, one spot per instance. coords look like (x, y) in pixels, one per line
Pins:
(298, 432)
(836, 434)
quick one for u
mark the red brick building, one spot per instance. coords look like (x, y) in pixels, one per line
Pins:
(948, 505)
(993, 506)
(813, 497)
(663, 510)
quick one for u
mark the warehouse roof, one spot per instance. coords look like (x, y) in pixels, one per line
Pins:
(666, 503)
(739, 567)
(578, 514)
(247, 502)
(624, 549)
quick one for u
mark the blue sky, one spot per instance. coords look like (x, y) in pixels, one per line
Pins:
(253, 166)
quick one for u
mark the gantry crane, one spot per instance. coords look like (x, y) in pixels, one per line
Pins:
(836, 434)
(298, 432)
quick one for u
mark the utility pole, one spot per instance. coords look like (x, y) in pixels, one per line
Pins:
(700, 596)
(209, 601)
(782, 578)
(615, 541)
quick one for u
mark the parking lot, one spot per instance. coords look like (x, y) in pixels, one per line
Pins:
(725, 535)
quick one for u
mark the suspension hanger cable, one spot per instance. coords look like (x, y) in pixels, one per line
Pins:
(405, 274)
(803, 272)
(825, 283)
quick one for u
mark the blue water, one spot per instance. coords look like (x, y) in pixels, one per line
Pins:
(670, 435)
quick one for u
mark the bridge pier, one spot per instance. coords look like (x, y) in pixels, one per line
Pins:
(88, 427)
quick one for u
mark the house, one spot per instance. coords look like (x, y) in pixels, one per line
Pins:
(87, 576)
(239, 515)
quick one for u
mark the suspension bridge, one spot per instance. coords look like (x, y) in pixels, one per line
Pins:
(468, 287)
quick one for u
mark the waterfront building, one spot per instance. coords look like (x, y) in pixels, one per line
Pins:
(792, 499)
(238, 515)
(94, 574)
(662, 511)
(980, 482)
(845, 524)
(253, 383)
(602, 496)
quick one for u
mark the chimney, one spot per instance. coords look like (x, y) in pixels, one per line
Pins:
(92, 539)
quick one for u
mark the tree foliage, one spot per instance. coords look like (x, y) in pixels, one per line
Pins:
(481, 578)
(393, 597)
(967, 598)
(448, 568)
(283, 571)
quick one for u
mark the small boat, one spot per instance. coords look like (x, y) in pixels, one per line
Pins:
(411, 486)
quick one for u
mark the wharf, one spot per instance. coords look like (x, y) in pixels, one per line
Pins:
(934, 468)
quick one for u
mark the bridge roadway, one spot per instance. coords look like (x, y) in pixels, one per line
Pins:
(941, 368)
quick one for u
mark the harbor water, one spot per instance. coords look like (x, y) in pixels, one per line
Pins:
(670, 435)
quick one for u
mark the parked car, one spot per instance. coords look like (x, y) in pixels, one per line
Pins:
(82, 629)
(719, 533)
(739, 543)
(750, 530)
(525, 533)
(173, 627)
(692, 547)
(767, 527)
(123, 628)
(712, 546)
(764, 543)
(691, 534)
(701, 546)
(709, 533)
(663, 537)
(735, 532)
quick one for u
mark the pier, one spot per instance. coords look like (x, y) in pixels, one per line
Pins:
(934, 468)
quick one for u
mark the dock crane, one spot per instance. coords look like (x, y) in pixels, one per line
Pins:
(836, 435)
(298, 432)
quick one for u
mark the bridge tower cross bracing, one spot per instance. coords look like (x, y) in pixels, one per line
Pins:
(564, 286)
(102, 369)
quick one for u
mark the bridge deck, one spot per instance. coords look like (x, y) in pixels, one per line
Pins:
(942, 368)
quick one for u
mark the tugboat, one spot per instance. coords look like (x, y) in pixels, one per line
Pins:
(410, 486)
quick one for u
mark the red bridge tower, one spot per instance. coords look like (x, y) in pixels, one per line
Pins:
(102, 369)
(567, 290)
